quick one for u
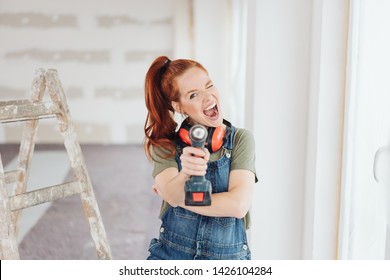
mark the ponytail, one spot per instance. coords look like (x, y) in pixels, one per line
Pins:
(160, 91)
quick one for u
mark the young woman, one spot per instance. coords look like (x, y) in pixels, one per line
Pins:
(217, 231)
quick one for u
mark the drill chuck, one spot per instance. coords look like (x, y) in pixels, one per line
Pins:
(198, 135)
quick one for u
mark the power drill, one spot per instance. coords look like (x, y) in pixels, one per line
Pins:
(198, 188)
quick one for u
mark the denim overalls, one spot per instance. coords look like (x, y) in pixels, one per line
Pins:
(187, 235)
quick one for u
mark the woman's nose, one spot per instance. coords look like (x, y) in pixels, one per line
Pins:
(206, 95)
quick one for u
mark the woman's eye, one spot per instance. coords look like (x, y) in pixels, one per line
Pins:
(210, 86)
(193, 95)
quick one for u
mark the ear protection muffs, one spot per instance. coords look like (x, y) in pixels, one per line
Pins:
(215, 137)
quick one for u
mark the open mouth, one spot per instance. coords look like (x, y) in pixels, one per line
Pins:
(211, 111)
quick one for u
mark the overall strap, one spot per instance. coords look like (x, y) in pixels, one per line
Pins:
(229, 137)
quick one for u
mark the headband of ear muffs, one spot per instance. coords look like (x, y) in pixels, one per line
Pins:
(215, 136)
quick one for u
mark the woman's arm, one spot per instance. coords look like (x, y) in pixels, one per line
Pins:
(235, 202)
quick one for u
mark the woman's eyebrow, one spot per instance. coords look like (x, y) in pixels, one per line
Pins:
(190, 91)
(209, 82)
(194, 90)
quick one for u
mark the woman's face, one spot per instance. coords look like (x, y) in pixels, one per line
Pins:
(199, 98)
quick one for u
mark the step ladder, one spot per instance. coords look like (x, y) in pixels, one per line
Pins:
(31, 111)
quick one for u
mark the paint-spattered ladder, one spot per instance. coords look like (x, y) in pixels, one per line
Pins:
(31, 111)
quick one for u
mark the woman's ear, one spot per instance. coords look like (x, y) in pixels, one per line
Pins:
(176, 106)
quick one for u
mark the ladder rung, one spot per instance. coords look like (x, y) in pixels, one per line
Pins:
(43, 195)
(15, 102)
(10, 176)
(22, 110)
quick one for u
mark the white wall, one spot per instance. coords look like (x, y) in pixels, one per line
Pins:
(295, 107)
(212, 44)
(324, 152)
(280, 105)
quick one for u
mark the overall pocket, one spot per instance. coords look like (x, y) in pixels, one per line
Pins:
(185, 214)
(225, 222)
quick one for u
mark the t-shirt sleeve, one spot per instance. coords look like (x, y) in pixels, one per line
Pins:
(160, 163)
(243, 154)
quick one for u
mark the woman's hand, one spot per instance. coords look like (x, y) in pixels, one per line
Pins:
(169, 184)
(194, 161)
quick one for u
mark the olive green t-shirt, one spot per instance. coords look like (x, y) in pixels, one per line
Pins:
(242, 157)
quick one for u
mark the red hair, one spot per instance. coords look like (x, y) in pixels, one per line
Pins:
(160, 91)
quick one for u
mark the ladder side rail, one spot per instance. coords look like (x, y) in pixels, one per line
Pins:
(73, 148)
(27, 145)
(8, 243)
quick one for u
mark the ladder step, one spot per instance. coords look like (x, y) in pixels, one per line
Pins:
(10, 176)
(32, 198)
(22, 110)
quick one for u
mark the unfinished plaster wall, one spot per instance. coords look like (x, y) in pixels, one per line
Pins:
(101, 49)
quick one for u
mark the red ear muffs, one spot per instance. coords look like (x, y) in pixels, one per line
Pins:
(217, 137)
(184, 135)
(214, 140)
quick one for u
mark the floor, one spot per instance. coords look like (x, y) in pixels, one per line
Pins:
(121, 179)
